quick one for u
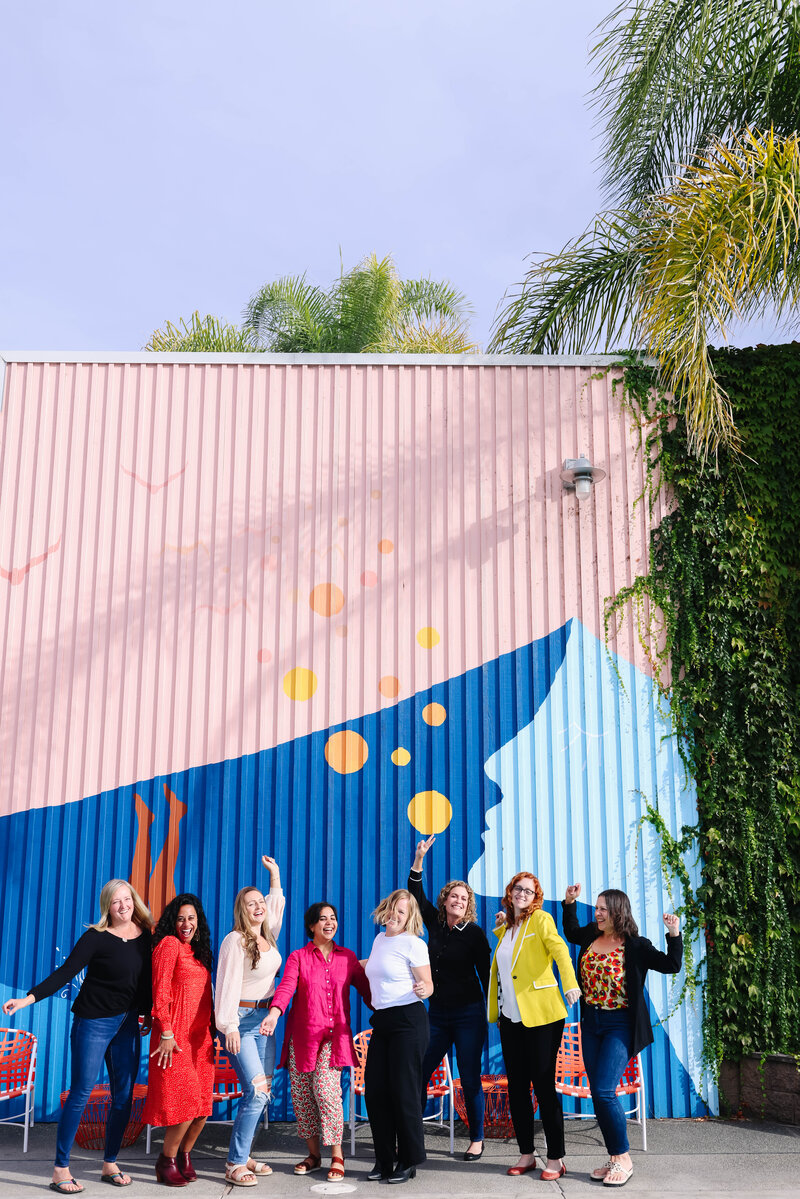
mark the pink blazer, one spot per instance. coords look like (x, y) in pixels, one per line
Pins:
(321, 1008)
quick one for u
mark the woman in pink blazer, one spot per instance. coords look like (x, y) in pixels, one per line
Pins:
(318, 1041)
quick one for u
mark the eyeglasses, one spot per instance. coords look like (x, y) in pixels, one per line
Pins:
(523, 891)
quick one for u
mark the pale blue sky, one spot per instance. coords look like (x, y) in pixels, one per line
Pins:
(162, 157)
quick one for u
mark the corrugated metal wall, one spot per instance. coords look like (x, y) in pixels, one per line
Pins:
(209, 570)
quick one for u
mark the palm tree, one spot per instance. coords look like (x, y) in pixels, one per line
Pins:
(368, 309)
(700, 100)
(203, 335)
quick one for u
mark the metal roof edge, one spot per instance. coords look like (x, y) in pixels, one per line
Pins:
(121, 357)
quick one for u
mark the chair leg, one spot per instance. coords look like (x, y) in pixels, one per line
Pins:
(147, 1143)
(352, 1122)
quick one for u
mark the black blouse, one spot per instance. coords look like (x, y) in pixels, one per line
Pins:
(460, 956)
(118, 975)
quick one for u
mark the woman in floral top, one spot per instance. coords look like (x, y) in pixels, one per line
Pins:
(615, 1023)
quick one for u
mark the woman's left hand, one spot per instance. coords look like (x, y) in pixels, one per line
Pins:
(422, 989)
(268, 1024)
(673, 923)
(499, 918)
(572, 996)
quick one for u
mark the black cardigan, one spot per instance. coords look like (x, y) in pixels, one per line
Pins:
(641, 955)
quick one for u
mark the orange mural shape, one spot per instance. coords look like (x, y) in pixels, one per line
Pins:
(157, 888)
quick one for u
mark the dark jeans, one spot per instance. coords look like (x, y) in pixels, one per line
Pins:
(392, 1083)
(116, 1040)
(464, 1027)
(530, 1057)
(607, 1039)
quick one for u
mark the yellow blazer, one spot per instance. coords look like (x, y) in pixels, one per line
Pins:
(536, 946)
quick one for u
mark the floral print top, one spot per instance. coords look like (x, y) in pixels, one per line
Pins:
(603, 979)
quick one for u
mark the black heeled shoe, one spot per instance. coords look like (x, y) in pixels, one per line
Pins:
(379, 1173)
(403, 1174)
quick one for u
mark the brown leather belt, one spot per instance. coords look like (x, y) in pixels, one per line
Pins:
(255, 1003)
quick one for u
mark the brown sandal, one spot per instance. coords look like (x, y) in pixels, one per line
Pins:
(336, 1172)
(308, 1164)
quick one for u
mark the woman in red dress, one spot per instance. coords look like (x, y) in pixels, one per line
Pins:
(182, 1064)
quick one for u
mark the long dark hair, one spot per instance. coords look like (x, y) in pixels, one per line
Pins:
(619, 913)
(313, 914)
(200, 942)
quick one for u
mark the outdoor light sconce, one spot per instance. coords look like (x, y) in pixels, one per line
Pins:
(580, 476)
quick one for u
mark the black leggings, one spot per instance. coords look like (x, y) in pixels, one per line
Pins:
(530, 1056)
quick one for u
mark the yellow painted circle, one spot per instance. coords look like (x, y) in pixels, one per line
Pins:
(434, 714)
(300, 683)
(401, 757)
(346, 752)
(430, 812)
(428, 637)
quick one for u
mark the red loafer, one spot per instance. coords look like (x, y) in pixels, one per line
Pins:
(515, 1171)
(552, 1175)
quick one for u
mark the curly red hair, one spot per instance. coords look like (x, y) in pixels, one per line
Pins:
(533, 906)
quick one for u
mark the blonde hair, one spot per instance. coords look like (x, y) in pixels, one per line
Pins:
(241, 924)
(141, 912)
(385, 908)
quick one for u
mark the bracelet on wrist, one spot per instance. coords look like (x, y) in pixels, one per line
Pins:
(168, 1036)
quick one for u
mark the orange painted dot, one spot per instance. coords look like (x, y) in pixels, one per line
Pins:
(369, 578)
(276, 540)
(376, 493)
(326, 599)
(342, 522)
(428, 637)
(346, 752)
(269, 562)
(341, 631)
(300, 683)
(389, 686)
(434, 714)
(385, 546)
(401, 757)
(264, 656)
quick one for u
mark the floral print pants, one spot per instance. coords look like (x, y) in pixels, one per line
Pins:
(317, 1098)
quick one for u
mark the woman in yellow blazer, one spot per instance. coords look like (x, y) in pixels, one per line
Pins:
(525, 1001)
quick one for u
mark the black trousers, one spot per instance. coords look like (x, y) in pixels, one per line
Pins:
(530, 1057)
(392, 1084)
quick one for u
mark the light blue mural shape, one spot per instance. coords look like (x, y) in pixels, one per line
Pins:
(575, 783)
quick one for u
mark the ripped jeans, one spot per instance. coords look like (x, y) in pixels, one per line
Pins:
(256, 1056)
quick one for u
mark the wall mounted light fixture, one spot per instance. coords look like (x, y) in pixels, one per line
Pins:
(580, 476)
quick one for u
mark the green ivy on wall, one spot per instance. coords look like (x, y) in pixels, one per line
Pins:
(724, 574)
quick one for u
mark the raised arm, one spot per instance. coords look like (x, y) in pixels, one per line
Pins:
(275, 899)
(427, 909)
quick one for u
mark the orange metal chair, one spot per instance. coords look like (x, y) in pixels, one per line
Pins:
(226, 1085)
(18, 1074)
(497, 1118)
(571, 1079)
(91, 1132)
(441, 1084)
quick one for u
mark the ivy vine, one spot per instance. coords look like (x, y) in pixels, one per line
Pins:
(719, 614)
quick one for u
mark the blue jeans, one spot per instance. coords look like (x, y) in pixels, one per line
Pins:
(607, 1042)
(465, 1027)
(116, 1040)
(256, 1056)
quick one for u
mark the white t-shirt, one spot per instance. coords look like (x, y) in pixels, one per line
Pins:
(505, 956)
(389, 969)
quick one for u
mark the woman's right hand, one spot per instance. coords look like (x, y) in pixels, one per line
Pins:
(164, 1050)
(422, 849)
(233, 1042)
(572, 892)
(13, 1005)
(499, 918)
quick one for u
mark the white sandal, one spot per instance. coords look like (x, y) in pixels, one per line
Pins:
(258, 1167)
(240, 1176)
(617, 1176)
(601, 1171)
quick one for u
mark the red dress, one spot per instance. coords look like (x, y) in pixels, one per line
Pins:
(181, 1004)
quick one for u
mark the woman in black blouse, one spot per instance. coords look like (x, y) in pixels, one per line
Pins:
(615, 1023)
(460, 958)
(115, 953)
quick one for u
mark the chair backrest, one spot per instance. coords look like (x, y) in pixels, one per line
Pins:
(631, 1080)
(570, 1071)
(360, 1044)
(226, 1080)
(438, 1083)
(17, 1061)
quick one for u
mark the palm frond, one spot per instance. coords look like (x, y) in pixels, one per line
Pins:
(203, 334)
(442, 336)
(580, 299)
(365, 301)
(677, 75)
(426, 298)
(725, 243)
(290, 316)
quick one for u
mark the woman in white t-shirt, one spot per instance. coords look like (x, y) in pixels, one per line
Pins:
(399, 975)
(248, 963)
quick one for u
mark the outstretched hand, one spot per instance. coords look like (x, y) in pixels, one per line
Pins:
(422, 849)
(13, 1005)
(271, 865)
(572, 892)
(673, 923)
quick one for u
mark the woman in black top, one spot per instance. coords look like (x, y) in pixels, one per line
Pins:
(460, 958)
(615, 1023)
(115, 953)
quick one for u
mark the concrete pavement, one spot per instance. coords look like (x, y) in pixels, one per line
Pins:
(710, 1158)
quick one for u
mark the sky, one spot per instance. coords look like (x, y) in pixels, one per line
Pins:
(161, 158)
